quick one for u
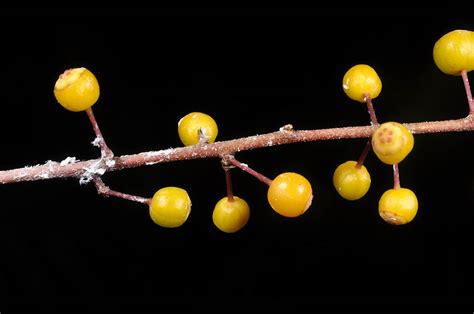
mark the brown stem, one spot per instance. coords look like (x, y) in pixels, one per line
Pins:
(228, 181)
(370, 106)
(396, 177)
(106, 191)
(70, 168)
(254, 173)
(470, 101)
(363, 155)
(106, 152)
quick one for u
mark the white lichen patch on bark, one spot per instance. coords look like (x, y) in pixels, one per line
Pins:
(96, 141)
(110, 163)
(94, 170)
(68, 161)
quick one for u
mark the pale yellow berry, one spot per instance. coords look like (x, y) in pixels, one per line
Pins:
(392, 142)
(350, 181)
(231, 216)
(359, 80)
(398, 206)
(454, 52)
(77, 89)
(197, 127)
(170, 207)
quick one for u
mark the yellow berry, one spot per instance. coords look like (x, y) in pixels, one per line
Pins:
(351, 183)
(194, 123)
(454, 52)
(392, 142)
(290, 194)
(359, 80)
(170, 207)
(77, 89)
(398, 206)
(231, 216)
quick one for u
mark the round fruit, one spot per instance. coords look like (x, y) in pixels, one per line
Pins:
(77, 89)
(351, 183)
(392, 142)
(197, 125)
(170, 207)
(398, 206)
(231, 216)
(454, 52)
(361, 79)
(290, 194)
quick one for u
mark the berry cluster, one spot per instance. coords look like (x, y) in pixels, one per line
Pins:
(391, 142)
(289, 194)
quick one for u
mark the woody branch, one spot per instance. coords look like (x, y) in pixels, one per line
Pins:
(286, 135)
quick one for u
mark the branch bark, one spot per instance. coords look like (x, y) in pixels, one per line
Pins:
(87, 170)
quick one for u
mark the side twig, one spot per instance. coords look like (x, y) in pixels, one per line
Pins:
(106, 152)
(104, 190)
(470, 101)
(364, 154)
(396, 176)
(370, 107)
(250, 171)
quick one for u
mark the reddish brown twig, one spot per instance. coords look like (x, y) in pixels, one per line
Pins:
(228, 181)
(69, 167)
(465, 80)
(370, 107)
(104, 190)
(363, 155)
(250, 171)
(227, 166)
(106, 152)
(396, 177)
(374, 122)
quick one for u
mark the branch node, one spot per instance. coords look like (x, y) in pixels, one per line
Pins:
(97, 169)
(102, 189)
(287, 128)
(226, 162)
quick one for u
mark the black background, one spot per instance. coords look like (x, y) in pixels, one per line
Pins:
(64, 247)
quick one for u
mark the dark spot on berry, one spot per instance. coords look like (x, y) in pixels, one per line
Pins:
(390, 132)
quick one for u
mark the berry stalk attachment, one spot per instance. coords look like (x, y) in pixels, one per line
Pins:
(250, 171)
(231, 213)
(398, 206)
(453, 54)
(467, 87)
(78, 90)
(289, 194)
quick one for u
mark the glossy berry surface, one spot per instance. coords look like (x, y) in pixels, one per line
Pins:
(77, 89)
(361, 79)
(398, 206)
(392, 142)
(351, 183)
(290, 194)
(170, 207)
(454, 52)
(231, 216)
(190, 125)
